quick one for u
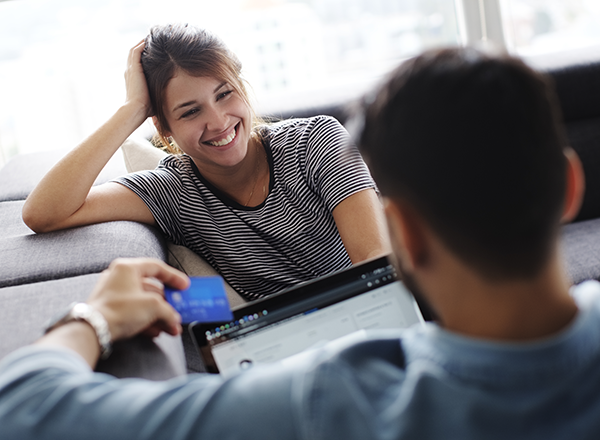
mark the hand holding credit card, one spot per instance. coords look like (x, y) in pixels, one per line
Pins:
(204, 301)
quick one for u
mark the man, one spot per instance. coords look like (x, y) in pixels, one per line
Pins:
(468, 151)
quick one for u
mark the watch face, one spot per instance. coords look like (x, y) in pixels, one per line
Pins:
(81, 310)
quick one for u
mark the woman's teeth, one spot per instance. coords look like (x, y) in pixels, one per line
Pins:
(223, 141)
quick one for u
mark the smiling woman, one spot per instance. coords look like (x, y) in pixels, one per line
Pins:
(268, 206)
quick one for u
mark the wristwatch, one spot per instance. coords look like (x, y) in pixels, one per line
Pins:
(85, 312)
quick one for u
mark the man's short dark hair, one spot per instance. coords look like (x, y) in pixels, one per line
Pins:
(474, 142)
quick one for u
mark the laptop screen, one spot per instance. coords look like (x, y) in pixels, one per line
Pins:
(364, 296)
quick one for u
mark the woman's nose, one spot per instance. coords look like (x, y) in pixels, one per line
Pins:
(217, 119)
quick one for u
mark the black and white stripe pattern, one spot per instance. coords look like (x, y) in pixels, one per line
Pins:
(290, 238)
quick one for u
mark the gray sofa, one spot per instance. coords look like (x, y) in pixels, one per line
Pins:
(40, 275)
(578, 89)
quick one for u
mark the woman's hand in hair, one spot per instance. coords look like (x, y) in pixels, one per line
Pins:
(66, 197)
(135, 81)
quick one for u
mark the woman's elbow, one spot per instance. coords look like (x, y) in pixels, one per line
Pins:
(35, 219)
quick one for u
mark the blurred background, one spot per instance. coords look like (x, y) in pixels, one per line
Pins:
(62, 61)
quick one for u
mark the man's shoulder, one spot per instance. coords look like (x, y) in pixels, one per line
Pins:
(362, 354)
(349, 379)
(369, 343)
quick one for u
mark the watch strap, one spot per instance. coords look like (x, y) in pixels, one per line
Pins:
(85, 312)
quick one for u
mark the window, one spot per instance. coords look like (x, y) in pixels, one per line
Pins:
(62, 61)
(537, 27)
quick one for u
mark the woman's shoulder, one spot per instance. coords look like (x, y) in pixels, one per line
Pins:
(293, 130)
(176, 163)
(300, 123)
(168, 169)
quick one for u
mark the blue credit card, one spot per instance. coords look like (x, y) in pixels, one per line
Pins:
(204, 301)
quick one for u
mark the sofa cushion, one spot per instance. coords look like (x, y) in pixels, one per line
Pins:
(139, 154)
(30, 258)
(581, 250)
(191, 264)
(578, 90)
(23, 172)
(160, 358)
(11, 219)
(27, 308)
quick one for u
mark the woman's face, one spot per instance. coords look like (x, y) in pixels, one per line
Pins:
(209, 120)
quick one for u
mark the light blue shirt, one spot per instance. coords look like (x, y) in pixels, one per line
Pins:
(418, 384)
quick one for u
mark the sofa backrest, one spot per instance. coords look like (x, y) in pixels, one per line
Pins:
(578, 90)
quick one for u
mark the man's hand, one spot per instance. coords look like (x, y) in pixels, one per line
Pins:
(130, 296)
(131, 299)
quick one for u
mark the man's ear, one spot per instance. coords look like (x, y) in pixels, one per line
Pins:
(575, 186)
(406, 232)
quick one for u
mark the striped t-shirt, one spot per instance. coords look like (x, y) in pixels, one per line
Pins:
(288, 239)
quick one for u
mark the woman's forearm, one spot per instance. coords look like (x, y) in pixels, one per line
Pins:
(360, 220)
(63, 191)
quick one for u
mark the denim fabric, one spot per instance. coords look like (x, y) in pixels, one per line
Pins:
(420, 383)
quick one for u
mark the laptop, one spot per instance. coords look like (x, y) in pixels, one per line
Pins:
(365, 296)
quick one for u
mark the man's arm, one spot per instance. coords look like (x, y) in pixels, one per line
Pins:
(48, 391)
(129, 301)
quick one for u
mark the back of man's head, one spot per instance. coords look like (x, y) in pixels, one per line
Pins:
(474, 143)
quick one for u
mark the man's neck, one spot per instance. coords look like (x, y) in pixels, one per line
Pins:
(514, 310)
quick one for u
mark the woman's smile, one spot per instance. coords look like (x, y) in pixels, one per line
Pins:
(224, 141)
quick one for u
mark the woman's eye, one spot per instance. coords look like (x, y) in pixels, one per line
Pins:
(224, 94)
(190, 113)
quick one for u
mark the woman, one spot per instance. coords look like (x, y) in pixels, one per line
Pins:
(267, 206)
